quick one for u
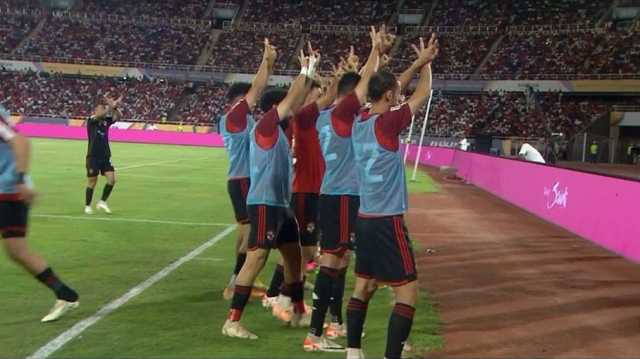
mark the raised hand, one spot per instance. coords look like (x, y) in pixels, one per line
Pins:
(384, 60)
(386, 40)
(352, 62)
(26, 194)
(426, 54)
(270, 52)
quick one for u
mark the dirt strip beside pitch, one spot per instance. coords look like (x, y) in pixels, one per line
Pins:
(508, 284)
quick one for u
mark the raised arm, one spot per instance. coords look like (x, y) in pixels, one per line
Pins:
(331, 90)
(102, 111)
(300, 86)
(425, 57)
(262, 76)
(370, 66)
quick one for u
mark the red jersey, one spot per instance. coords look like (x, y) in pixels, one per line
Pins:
(308, 167)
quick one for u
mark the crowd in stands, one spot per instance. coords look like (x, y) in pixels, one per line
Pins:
(242, 50)
(517, 12)
(336, 46)
(510, 114)
(193, 9)
(13, 30)
(86, 39)
(460, 53)
(206, 104)
(522, 55)
(55, 95)
(416, 4)
(330, 12)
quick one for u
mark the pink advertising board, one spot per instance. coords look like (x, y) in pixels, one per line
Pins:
(120, 135)
(599, 208)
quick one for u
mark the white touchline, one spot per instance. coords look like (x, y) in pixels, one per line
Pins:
(153, 164)
(62, 339)
(134, 220)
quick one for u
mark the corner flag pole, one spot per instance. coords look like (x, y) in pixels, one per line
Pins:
(408, 141)
(424, 129)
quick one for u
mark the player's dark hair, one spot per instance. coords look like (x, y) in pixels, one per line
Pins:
(380, 83)
(238, 89)
(315, 84)
(348, 83)
(272, 97)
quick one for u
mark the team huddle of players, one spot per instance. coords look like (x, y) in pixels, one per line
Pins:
(322, 165)
(319, 166)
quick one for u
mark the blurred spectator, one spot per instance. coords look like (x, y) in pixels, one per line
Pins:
(206, 105)
(13, 30)
(325, 12)
(160, 9)
(41, 94)
(118, 42)
(242, 50)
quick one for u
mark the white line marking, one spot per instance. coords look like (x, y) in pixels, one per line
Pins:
(209, 259)
(134, 220)
(62, 339)
(148, 164)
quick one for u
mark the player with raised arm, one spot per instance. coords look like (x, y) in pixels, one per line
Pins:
(273, 224)
(383, 249)
(16, 195)
(307, 177)
(339, 200)
(99, 152)
(235, 127)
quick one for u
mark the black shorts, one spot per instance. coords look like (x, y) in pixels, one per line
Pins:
(96, 166)
(305, 208)
(338, 216)
(238, 189)
(384, 251)
(271, 227)
(14, 217)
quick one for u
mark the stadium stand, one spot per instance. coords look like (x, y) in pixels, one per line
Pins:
(55, 95)
(193, 9)
(14, 29)
(330, 12)
(206, 104)
(104, 40)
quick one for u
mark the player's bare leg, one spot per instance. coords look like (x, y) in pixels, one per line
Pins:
(67, 298)
(241, 257)
(242, 292)
(91, 185)
(363, 291)
(106, 192)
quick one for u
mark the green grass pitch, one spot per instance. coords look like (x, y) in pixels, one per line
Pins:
(181, 315)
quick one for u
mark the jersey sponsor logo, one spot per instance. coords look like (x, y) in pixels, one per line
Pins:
(556, 196)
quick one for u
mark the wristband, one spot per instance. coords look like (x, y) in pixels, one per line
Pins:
(313, 61)
(21, 178)
(304, 71)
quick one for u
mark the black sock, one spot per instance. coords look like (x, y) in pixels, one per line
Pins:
(48, 278)
(399, 328)
(106, 192)
(276, 281)
(297, 297)
(88, 196)
(337, 295)
(324, 283)
(356, 314)
(240, 299)
(239, 262)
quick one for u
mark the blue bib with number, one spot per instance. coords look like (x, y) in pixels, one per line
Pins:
(237, 145)
(383, 187)
(340, 176)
